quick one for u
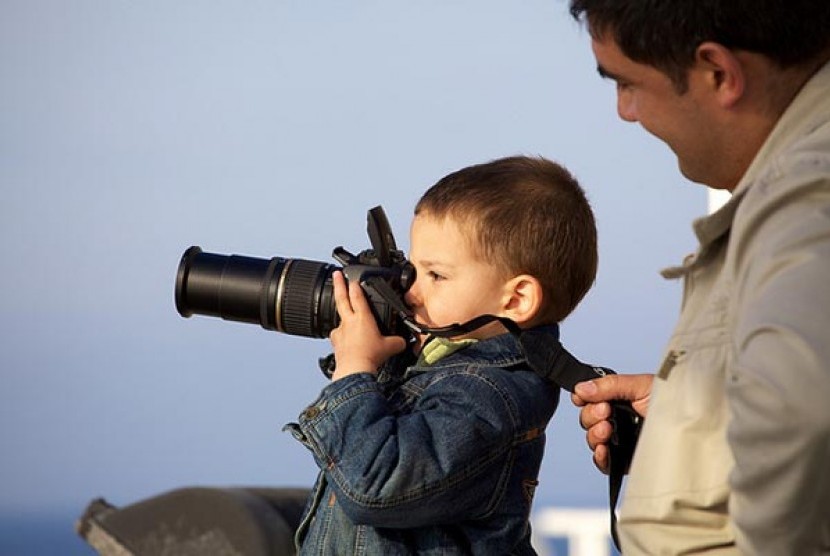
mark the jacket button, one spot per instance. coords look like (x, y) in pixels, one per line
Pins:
(311, 412)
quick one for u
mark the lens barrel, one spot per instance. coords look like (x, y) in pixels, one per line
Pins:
(294, 296)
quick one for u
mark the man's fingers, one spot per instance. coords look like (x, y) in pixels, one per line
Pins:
(593, 398)
(598, 437)
(633, 388)
(594, 413)
(599, 434)
(609, 387)
(601, 458)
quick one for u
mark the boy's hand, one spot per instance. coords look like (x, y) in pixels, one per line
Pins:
(358, 345)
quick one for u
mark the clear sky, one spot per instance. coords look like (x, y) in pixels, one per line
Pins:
(132, 129)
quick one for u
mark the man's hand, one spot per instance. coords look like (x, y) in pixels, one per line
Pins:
(593, 397)
(358, 345)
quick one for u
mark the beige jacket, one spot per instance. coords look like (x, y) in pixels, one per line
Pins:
(734, 456)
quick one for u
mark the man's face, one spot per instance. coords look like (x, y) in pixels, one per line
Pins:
(452, 284)
(683, 121)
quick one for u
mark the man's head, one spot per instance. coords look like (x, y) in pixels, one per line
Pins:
(710, 78)
(522, 217)
(666, 33)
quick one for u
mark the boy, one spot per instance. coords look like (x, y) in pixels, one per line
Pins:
(440, 455)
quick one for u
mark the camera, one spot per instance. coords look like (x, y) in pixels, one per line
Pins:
(296, 296)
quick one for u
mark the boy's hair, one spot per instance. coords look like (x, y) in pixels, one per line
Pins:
(665, 34)
(526, 215)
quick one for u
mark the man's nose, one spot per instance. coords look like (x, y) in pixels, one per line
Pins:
(626, 107)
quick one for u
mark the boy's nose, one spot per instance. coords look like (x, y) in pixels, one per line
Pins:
(412, 296)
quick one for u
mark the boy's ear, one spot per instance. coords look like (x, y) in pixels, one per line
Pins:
(522, 298)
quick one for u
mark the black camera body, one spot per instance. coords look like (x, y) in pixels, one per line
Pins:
(295, 296)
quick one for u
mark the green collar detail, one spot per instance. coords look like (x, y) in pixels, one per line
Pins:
(438, 348)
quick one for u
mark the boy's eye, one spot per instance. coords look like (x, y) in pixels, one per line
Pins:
(434, 275)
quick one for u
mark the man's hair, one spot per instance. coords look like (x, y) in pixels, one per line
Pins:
(525, 215)
(666, 33)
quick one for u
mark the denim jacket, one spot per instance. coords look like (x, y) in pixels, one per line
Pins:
(432, 460)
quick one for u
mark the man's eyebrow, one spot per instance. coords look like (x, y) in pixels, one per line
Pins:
(605, 74)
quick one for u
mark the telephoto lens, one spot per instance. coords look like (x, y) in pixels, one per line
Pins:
(293, 296)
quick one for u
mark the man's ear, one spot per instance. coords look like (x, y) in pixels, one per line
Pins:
(722, 72)
(522, 299)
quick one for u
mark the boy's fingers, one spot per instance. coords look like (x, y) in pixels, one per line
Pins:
(395, 344)
(357, 297)
(341, 294)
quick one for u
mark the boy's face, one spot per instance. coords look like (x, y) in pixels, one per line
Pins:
(452, 284)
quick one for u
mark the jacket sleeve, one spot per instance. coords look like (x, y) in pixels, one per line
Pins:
(779, 389)
(442, 461)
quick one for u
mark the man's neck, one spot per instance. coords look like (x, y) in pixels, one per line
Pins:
(783, 85)
(771, 90)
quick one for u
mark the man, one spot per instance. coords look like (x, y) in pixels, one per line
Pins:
(734, 454)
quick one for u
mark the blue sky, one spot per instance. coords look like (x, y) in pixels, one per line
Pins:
(132, 129)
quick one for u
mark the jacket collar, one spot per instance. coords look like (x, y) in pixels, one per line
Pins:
(501, 351)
